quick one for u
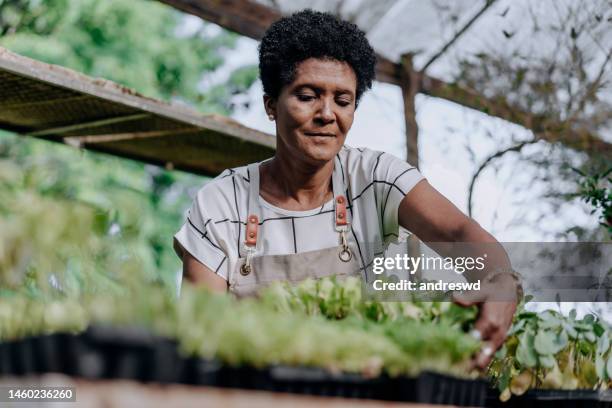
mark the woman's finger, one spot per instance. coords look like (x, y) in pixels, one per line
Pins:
(487, 352)
(491, 325)
(469, 298)
(485, 326)
(484, 357)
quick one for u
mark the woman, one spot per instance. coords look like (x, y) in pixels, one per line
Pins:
(318, 207)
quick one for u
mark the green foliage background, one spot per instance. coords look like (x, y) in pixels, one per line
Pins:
(79, 221)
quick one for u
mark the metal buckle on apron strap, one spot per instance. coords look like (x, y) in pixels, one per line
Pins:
(250, 243)
(342, 225)
(345, 254)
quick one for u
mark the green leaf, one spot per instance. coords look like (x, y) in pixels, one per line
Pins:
(583, 327)
(517, 327)
(609, 367)
(548, 320)
(600, 367)
(598, 329)
(584, 346)
(590, 336)
(501, 353)
(547, 360)
(547, 342)
(525, 352)
(504, 378)
(570, 330)
(603, 343)
(527, 315)
(572, 314)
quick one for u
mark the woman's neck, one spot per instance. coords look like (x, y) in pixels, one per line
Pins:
(295, 185)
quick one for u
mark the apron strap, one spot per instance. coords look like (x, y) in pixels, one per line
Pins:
(340, 201)
(253, 211)
(253, 215)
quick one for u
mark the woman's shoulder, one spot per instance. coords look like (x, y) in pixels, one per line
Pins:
(224, 194)
(227, 179)
(365, 167)
(362, 160)
(363, 155)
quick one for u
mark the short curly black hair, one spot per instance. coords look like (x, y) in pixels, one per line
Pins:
(312, 34)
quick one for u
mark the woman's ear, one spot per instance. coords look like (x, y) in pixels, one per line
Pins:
(270, 106)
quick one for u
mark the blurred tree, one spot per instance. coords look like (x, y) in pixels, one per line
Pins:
(141, 44)
(80, 221)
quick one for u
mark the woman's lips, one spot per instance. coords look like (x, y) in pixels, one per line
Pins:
(320, 134)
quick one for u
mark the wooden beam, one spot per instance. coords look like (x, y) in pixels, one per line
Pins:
(89, 125)
(249, 18)
(80, 141)
(545, 128)
(410, 88)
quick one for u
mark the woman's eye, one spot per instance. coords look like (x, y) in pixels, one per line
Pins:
(343, 102)
(305, 98)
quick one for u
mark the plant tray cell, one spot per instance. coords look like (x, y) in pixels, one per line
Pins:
(196, 371)
(434, 388)
(21, 357)
(316, 381)
(428, 388)
(555, 398)
(6, 367)
(129, 353)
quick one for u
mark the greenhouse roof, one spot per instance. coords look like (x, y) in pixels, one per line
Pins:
(58, 104)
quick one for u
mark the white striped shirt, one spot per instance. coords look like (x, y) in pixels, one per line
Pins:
(375, 183)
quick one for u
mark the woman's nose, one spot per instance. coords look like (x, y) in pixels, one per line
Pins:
(325, 113)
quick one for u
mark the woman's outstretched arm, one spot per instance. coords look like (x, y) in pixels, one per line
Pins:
(437, 222)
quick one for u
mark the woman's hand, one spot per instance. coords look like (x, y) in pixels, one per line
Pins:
(494, 317)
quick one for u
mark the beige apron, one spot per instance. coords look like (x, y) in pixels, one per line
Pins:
(255, 270)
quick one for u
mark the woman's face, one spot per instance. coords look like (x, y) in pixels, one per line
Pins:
(315, 112)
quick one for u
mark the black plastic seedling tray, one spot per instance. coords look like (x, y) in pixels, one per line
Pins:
(100, 352)
(303, 380)
(429, 388)
(134, 353)
(128, 353)
(434, 388)
(315, 381)
(41, 354)
(555, 398)
(196, 371)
